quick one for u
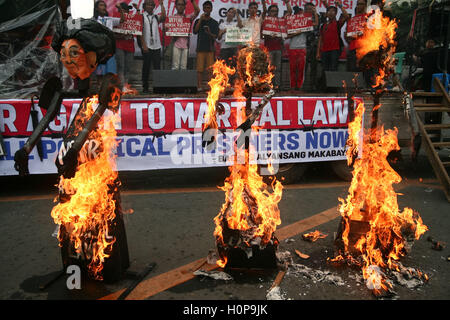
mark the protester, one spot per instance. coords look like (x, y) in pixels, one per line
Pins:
(429, 59)
(298, 49)
(274, 44)
(254, 21)
(228, 52)
(124, 49)
(312, 38)
(181, 44)
(207, 30)
(150, 40)
(361, 7)
(329, 46)
(101, 15)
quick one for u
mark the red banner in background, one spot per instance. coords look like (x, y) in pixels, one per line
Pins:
(145, 116)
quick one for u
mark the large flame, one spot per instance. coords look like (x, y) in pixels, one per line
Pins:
(249, 206)
(91, 208)
(373, 200)
(378, 36)
(218, 84)
(371, 204)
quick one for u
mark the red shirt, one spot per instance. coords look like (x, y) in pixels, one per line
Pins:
(329, 34)
(273, 44)
(353, 45)
(126, 45)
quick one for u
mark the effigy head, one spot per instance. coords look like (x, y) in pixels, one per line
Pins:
(83, 45)
(253, 66)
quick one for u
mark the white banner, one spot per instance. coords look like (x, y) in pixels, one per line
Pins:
(184, 150)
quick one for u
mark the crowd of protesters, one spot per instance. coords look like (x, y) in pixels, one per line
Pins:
(304, 49)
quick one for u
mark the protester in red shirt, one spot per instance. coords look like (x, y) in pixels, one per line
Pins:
(275, 44)
(361, 7)
(329, 47)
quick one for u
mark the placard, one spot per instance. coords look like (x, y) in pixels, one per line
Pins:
(131, 25)
(238, 35)
(355, 25)
(299, 22)
(178, 26)
(274, 27)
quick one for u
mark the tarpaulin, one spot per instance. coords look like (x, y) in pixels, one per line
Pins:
(166, 133)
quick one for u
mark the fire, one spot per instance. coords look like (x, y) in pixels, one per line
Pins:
(249, 207)
(374, 231)
(218, 84)
(378, 38)
(91, 207)
(254, 69)
(373, 200)
(129, 90)
(250, 210)
(314, 236)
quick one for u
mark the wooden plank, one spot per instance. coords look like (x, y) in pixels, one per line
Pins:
(426, 94)
(427, 105)
(433, 157)
(441, 144)
(432, 109)
(440, 88)
(162, 282)
(436, 126)
(279, 278)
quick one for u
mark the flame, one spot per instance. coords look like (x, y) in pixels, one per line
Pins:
(255, 68)
(313, 236)
(249, 206)
(129, 90)
(86, 216)
(372, 199)
(379, 35)
(218, 84)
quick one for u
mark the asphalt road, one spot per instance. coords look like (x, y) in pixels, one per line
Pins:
(172, 226)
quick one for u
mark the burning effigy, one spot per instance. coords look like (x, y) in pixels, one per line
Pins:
(91, 230)
(374, 233)
(247, 221)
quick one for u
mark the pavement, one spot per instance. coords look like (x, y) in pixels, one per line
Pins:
(172, 226)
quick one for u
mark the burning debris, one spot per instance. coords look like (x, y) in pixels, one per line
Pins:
(301, 255)
(216, 275)
(298, 269)
(374, 234)
(437, 245)
(246, 223)
(313, 236)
